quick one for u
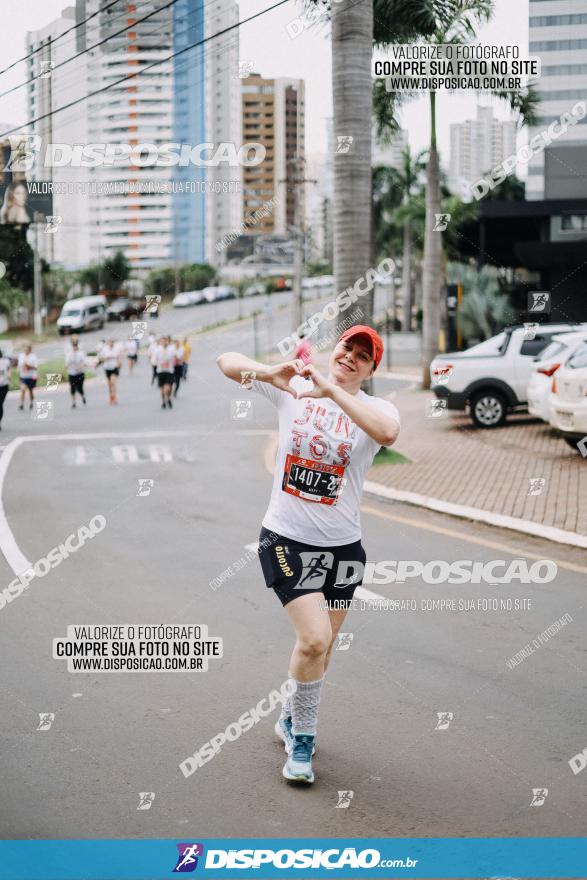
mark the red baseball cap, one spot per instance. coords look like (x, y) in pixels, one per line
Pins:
(376, 340)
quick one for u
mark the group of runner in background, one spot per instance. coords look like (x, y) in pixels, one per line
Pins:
(169, 359)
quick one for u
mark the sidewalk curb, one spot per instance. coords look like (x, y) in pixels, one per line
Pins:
(525, 526)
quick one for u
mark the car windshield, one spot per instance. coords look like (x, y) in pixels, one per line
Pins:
(579, 359)
(71, 312)
(552, 350)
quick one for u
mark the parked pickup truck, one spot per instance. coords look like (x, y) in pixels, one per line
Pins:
(491, 378)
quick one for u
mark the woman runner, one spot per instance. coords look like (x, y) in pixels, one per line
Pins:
(28, 364)
(76, 366)
(110, 355)
(329, 433)
(165, 357)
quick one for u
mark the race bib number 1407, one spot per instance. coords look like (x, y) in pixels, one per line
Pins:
(312, 480)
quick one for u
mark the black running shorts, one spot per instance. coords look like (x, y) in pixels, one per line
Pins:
(294, 569)
(164, 379)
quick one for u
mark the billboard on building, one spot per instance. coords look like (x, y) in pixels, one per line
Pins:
(21, 201)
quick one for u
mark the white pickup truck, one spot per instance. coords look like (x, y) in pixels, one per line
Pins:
(491, 378)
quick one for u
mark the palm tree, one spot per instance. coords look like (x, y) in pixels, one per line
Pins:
(352, 36)
(352, 44)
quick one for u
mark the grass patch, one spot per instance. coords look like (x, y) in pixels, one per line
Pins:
(56, 365)
(389, 456)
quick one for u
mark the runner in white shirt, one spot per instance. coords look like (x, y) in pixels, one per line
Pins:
(132, 353)
(5, 367)
(310, 543)
(27, 373)
(75, 362)
(110, 356)
(165, 358)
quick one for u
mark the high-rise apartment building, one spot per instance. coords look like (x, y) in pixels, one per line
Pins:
(273, 114)
(134, 111)
(477, 145)
(558, 35)
(50, 88)
(145, 84)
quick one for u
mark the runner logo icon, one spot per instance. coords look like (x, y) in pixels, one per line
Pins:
(187, 859)
(315, 568)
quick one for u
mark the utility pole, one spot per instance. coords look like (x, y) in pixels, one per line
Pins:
(299, 232)
(37, 283)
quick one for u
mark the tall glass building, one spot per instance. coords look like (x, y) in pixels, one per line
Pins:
(189, 206)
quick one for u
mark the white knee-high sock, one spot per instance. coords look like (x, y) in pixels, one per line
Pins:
(305, 703)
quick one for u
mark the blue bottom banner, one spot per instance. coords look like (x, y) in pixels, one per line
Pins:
(494, 859)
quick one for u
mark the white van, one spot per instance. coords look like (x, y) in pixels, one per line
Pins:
(84, 313)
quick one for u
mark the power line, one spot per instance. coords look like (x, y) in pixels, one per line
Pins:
(89, 48)
(181, 67)
(59, 36)
(147, 67)
(67, 78)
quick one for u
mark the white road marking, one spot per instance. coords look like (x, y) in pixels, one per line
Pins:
(10, 549)
(8, 544)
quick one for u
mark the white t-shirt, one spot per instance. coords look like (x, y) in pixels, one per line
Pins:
(110, 356)
(152, 352)
(178, 354)
(131, 346)
(322, 460)
(76, 362)
(4, 371)
(27, 366)
(165, 358)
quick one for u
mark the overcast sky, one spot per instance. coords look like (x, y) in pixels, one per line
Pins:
(266, 43)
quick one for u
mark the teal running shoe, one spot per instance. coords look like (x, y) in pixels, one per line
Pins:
(283, 731)
(298, 767)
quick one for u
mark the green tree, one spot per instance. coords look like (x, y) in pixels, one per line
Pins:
(114, 271)
(195, 276)
(11, 297)
(317, 267)
(161, 281)
(17, 256)
(91, 276)
(485, 309)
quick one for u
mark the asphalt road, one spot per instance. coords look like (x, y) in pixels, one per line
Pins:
(116, 735)
(272, 324)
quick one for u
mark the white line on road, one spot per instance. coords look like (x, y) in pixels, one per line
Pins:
(8, 544)
(10, 549)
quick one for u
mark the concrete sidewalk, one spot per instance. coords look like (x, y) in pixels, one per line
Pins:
(489, 471)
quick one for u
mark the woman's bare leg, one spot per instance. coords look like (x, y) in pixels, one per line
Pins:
(313, 629)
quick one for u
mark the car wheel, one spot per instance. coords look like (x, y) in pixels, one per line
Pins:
(488, 409)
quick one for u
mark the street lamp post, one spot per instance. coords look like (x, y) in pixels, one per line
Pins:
(37, 281)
